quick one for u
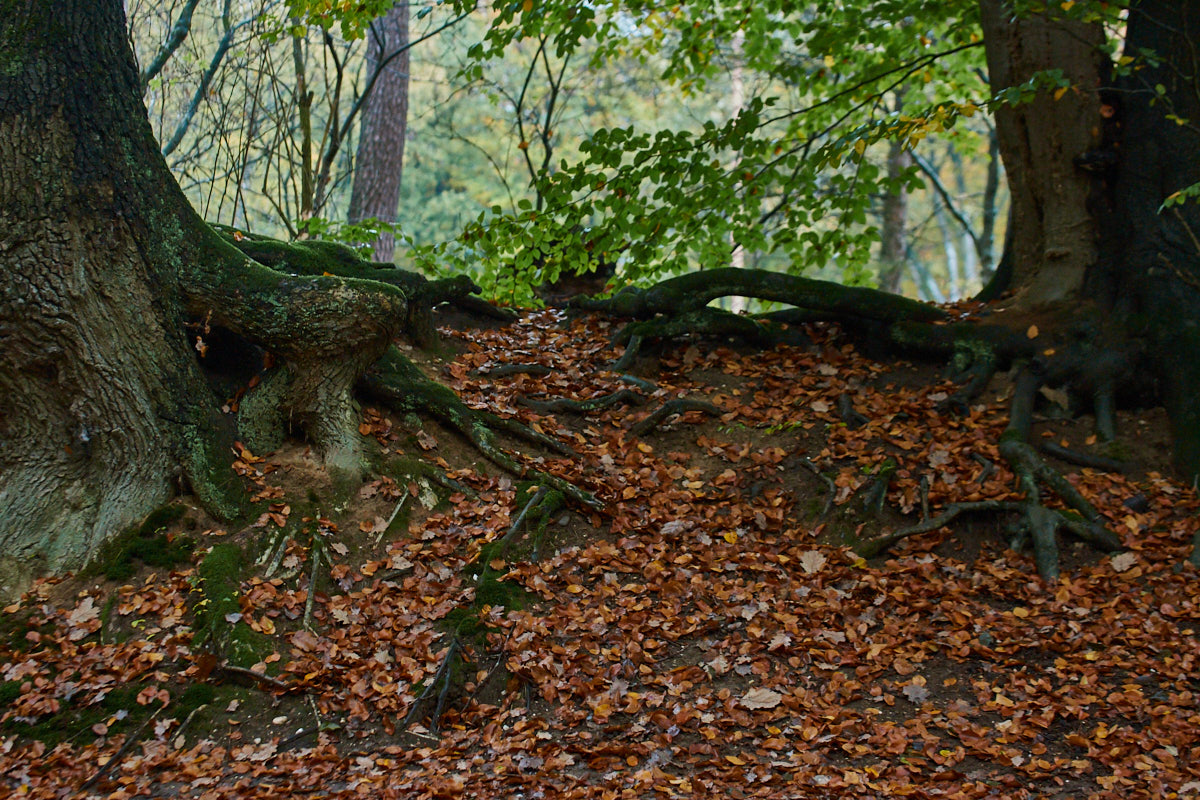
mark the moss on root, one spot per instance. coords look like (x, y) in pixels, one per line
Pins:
(217, 612)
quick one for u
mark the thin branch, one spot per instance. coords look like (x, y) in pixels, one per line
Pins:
(179, 32)
(928, 170)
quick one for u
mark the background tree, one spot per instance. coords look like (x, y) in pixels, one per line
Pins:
(379, 160)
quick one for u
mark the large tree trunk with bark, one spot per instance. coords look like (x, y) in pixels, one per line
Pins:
(1055, 235)
(379, 163)
(1087, 219)
(102, 258)
(1151, 268)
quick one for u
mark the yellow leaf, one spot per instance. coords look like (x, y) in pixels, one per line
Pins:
(860, 146)
(1032, 333)
(1059, 92)
(731, 537)
(1068, 5)
(528, 6)
(829, 62)
(735, 761)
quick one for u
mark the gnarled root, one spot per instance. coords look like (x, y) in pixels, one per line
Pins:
(399, 384)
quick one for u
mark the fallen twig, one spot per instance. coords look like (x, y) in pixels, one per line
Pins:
(121, 751)
(441, 676)
(258, 677)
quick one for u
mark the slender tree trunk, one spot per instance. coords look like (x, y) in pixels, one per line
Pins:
(991, 189)
(894, 231)
(950, 248)
(379, 163)
(1055, 240)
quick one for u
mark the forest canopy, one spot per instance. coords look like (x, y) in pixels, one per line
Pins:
(547, 138)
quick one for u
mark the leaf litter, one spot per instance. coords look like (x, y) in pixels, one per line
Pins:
(697, 639)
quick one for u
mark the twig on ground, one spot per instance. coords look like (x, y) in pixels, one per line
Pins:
(121, 751)
(403, 499)
(258, 677)
(312, 581)
(441, 676)
(829, 485)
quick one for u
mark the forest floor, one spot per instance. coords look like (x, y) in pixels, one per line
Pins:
(706, 635)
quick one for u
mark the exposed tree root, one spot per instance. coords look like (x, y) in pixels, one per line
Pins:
(564, 406)
(315, 258)
(696, 290)
(669, 409)
(632, 347)
(1086, 360)
(504, 370)
(309, 383)
(881, 544)
(397, 383)
(1089, 460)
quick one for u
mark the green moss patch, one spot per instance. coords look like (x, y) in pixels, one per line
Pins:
(14, 629)
(217, 612)
(117, 709)
(147, 544)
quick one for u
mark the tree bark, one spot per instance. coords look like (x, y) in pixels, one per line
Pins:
(1152, 271)
(104, 402)
(102, 257)
(379, 162)
(894, 245)
(1055, 240)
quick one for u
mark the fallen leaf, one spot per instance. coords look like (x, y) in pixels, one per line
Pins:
(1123, 561)
(811, 561)
(761, 698)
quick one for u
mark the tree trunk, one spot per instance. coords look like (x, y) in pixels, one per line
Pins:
(1153, 269)
(379, 163)
(1055, 240)
(105, 404)
(894, 233)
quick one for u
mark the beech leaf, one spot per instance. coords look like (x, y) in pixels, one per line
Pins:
(761, 698)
